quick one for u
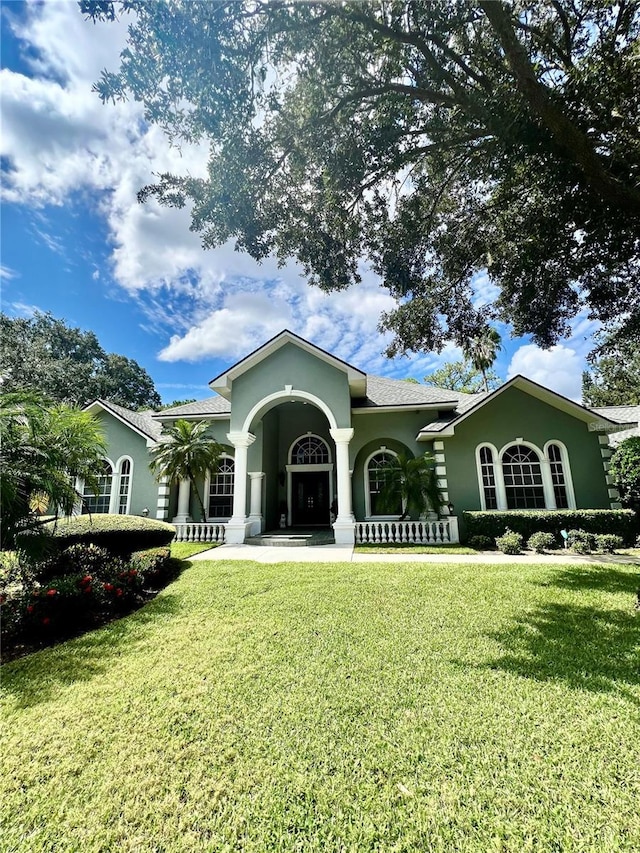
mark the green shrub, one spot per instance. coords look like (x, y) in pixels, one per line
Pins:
(82, 558)
(622, 522)
(581, 541)
(119, 534)
(541, 542)
(607, 543)
(481, 543)
(156, 566)
(510, 542)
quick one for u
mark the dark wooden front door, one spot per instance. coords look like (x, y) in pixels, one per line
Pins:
(310, 499)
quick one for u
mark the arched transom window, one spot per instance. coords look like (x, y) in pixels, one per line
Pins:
(310, 450)
(522, 478)
(221, 490)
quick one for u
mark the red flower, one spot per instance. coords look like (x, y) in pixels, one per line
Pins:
(52, 592)
(86, 579)
(30, 608)
(118, 592)
(88, 590)
(46, 620)
(107, 586)
(133, 572)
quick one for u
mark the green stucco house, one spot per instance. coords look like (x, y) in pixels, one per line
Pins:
(306, 435)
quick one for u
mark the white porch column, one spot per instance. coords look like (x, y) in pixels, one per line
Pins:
(162, 506)
(344, 525)
(256, 479)
(184, 495)
(547, 484)
(237, 527)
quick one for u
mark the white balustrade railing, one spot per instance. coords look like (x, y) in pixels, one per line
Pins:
(409, 532)
(199, 531)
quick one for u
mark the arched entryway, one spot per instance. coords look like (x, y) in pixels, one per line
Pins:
(310, 482)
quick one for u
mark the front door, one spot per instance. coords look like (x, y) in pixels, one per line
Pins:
(310, 499)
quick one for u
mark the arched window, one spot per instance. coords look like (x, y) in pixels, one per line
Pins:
(488, 478)
(558, 479)
(522, 474)
(375, 480)
(101, 501)
(310, 450)
(124, 486)
(220, 504)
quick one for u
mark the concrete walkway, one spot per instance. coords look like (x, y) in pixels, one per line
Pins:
(345, 554)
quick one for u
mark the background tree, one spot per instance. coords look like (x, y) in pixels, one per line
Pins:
(175, 403)
(68, 365)
(482, 350)
(463, 376)
(625, 471)
(187, 455)
(43, 449)
(614, 377)
(411, 483)
(436, 140)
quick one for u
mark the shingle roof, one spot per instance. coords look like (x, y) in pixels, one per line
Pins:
(142, 421)
(210, 406)
(622, 415)
(398, 392)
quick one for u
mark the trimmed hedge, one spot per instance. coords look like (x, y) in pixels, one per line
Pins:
(121, 535)
(622, 522)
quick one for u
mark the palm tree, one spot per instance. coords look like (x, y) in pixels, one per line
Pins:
(411, 482)
(482, 351)
(188, 455)
(44, 448)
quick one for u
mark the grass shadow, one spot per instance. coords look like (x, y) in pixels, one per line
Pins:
(587, 648)
(34, 678)
(598, 577)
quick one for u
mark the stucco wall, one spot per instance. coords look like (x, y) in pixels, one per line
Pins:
(291, 365)
(515, 414)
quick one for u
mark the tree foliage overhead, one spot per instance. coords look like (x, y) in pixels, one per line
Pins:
(68, 365)
(434, 140)
(625, 471)
(614, 377)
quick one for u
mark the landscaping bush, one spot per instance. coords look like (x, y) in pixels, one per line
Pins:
(82, 558)
(541, 542)
(581, 541)
(510, 542)
(119, 534)
(622, 522)
(607, 543)
(481, 543)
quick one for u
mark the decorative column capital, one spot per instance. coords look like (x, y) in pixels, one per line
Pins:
(342, 435)
(241, 439)
(256, 475)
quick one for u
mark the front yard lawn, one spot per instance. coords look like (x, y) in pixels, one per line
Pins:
(410, 548)
(353, 707)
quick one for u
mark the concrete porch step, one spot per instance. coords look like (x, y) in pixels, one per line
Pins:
(292, 538)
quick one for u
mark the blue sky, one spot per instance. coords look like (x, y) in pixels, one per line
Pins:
(75, 241)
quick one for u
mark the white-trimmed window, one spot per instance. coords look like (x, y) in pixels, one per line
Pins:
(100, 502)
(125, 469)
(220, 491)
(521, 476)
(309, 450)
(375, 474)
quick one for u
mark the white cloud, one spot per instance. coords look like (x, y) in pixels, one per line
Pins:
(7, 273)
(559, 368)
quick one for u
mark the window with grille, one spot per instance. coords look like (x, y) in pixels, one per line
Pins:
(125, 483)
(377, 478)
(557, 477)
(522, 478)
(488, 474)
(221, 490)
(100, 502)
(310, 450)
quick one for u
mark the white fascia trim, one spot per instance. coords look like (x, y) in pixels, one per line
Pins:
(224, 416)
(222, 384)
(404, 407)
(447, 432)
(92, 408)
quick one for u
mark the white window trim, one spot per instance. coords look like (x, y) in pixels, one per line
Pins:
(80, 490)
(545, 469)
(207, 486)
(367, 493)
(114, 502)
(309, 466)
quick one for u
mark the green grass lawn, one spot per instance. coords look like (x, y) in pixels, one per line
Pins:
(355, 707)
(184, 550)
(407, 547)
